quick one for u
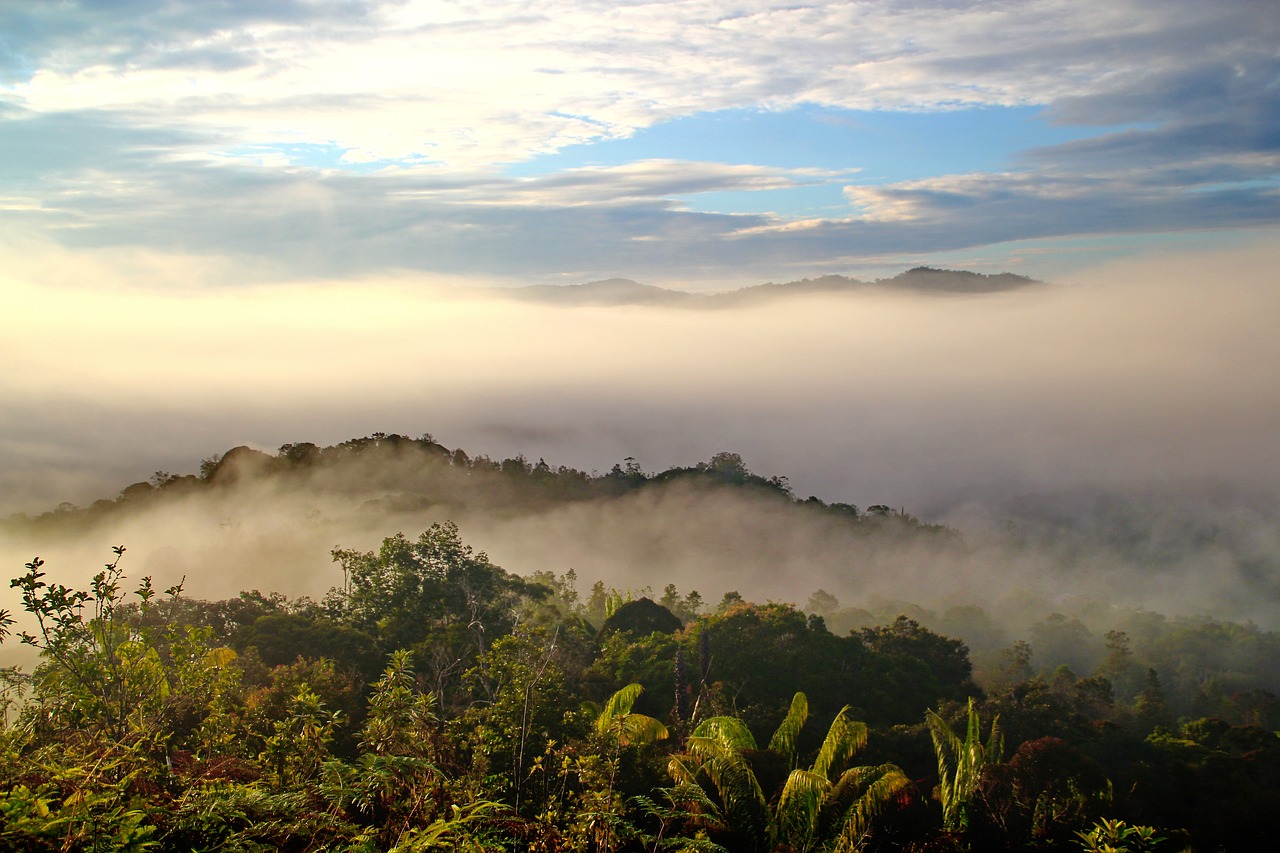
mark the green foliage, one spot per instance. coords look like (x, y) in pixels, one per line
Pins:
(90, 818)
(520, 697)
(300, 742)
(960, 763)
(1115, 836)
(99, 670)
(505, 723)
(400, 720)
(946, 660)
(683, 807)
(813, 810)
(282, 638)
(227, 815)
(617, 721)
(469, 828)
(435, 595)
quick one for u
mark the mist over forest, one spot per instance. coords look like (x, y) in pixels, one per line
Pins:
(1062, 574)
(1101, 440)
(1151, 377)
(526, 428)
(1058, 498)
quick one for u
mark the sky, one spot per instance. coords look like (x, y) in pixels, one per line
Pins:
(700, 145)
(231, 223)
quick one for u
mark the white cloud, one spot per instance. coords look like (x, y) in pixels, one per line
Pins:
(187, 128)
(476, 85)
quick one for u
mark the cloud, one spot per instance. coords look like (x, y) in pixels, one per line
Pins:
(591, 223)
(470, 86)
(1124, 421)
(306, 140)
(1160, 372)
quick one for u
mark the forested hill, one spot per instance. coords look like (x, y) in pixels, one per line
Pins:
(398, 474)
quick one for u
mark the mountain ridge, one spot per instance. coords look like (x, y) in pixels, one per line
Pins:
(625, 291)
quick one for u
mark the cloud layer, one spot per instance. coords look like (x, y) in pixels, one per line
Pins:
(1159, 372)
(335, 139)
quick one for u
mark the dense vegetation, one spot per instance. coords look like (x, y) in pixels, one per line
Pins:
(421, 473)
(437, 701)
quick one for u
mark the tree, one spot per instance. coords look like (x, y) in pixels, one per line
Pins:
(817, 808)
(822, 603)
(435, 595)
(640, 618)
(947, 659)
(960, 764)
(99, 672)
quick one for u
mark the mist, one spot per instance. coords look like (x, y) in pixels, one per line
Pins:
(1097, 443)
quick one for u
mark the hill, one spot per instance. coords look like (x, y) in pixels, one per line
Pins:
(622, 291)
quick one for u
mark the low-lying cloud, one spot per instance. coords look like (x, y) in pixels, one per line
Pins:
(1138, 374)
(1122, 424)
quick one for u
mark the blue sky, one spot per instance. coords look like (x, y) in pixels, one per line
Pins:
(867, 146)
(878, 146)
(684, 144)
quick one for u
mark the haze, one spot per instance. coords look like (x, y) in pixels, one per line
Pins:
(227, 224)
(1141, 374)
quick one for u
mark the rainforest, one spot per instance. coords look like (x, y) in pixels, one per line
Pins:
(431, 699)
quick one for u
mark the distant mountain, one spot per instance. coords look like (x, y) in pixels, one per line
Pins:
(623, 291)
(610, 291)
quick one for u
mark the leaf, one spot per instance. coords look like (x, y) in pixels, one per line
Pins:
(619, 705)
(796, 816)
(220, 657)
(726, 731)
(845, 737)
(784, 739)
(640, 729)
(868, 791)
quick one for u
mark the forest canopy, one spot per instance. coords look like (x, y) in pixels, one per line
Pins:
(434, 699)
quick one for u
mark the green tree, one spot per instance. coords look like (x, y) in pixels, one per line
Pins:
(821, 807)
(99, 671)
(435, 595)
(960, 764)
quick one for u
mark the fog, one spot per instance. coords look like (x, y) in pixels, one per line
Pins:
(1119, 428)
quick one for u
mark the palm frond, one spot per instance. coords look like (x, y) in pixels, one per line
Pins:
(960, 762)
(721, 763)
(845, 737)
(744, 802)
(869, 791)
(728, 731)
(680, 772)
(639, 729)
(619, 705)
(796, 815)
(994, 749)
(784, 739)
